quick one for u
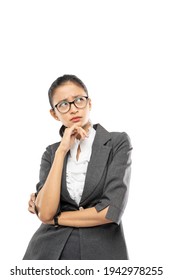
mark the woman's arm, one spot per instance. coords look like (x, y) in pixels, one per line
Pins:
(48, 198)
(116, 188)
(82, 218)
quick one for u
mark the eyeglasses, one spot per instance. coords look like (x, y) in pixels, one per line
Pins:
(64, 106)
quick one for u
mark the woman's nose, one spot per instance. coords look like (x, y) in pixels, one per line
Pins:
(73, 109)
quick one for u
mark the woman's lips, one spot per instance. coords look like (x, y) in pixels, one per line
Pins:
(76, 119)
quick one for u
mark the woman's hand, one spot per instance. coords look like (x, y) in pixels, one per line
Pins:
(69, 137)
(31, 203)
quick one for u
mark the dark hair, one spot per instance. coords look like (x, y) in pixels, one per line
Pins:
(61, 81)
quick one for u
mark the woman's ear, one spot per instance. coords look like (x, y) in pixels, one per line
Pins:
(52, 112)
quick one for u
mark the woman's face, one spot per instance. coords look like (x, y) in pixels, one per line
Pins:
(68, 92)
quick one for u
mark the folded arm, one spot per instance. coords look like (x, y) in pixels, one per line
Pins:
(111, 205)
(82, 218)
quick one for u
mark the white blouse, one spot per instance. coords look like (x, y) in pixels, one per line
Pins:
(76, 169)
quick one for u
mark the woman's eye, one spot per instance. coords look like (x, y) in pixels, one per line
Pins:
(79, 99)
(63, 104)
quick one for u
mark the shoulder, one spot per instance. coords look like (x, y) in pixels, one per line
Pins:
(121, 144)
(116, 138)
(120, 138)
(53, 147)
(49, 152)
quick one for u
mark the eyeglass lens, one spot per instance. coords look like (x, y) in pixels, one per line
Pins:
(64, 106)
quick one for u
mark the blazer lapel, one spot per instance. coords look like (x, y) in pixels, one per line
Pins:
(97, 164)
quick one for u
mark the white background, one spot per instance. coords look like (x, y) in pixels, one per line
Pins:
(123, 51)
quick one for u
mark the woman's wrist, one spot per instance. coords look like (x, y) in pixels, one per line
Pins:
(61, 151)
(56, 220)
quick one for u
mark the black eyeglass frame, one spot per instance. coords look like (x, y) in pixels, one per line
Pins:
(72, 102)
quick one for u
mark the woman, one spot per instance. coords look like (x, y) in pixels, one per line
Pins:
(83, 187)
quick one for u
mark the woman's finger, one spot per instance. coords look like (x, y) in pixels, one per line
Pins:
(80, 131)
(31, 209)
(33, 197)
(31, 203)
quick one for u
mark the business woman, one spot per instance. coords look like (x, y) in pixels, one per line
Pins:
(84, 183)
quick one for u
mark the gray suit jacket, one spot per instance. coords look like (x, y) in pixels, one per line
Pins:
(106, 184)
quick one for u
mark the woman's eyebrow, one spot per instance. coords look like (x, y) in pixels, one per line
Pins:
(66, 99)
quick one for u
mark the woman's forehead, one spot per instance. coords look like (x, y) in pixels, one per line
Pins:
(67, 90)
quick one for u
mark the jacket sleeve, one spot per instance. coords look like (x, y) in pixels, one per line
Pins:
(44, 169)
(116, 187)
(45, 166)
